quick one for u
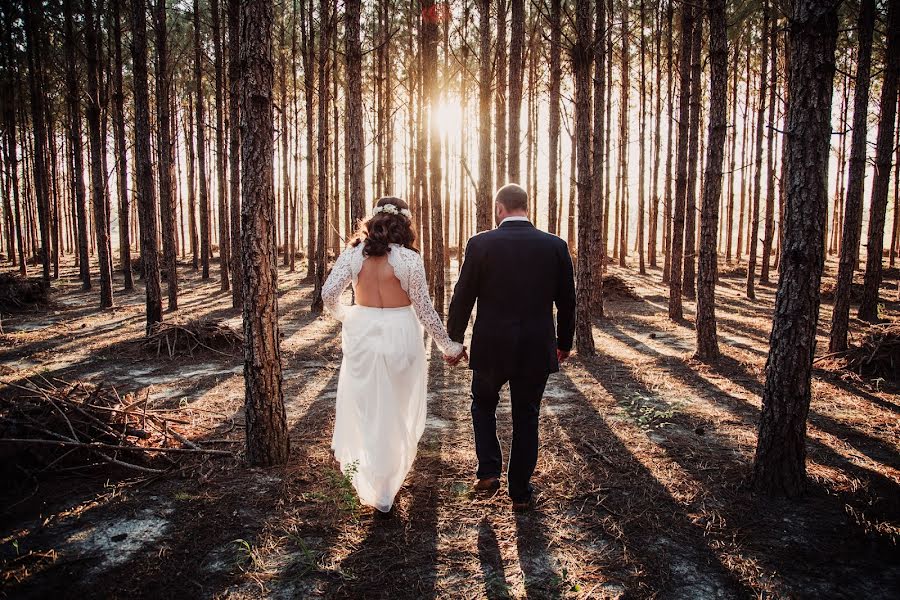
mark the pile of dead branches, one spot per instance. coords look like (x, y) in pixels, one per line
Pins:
(616, 288)
(735, 272)
(17, 292)
(72, 425)
(876, 356)
(878, 353)
(192, 338)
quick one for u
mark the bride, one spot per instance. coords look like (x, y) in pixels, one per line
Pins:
(380, 413)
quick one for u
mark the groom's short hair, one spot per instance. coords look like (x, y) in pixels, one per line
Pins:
(513, 197)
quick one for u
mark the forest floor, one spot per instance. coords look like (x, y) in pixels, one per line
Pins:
(645, 454)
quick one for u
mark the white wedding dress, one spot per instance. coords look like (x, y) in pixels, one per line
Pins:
(380, 412)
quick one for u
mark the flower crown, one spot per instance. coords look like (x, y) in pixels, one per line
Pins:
(391, 209)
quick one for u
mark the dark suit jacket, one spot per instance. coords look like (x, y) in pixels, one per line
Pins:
(516, 273)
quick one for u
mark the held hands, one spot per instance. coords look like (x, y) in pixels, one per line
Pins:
(455, 360)
(562, 355)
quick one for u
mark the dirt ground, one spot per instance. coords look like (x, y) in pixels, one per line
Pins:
(645, 454)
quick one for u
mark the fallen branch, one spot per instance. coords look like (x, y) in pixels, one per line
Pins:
(102, 446)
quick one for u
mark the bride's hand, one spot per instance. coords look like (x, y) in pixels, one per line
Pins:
(455, 360)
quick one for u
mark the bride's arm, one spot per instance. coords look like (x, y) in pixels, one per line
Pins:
(421, 301)
(338, 280)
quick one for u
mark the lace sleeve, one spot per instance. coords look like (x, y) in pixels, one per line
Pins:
(340, 277)
(421, 301)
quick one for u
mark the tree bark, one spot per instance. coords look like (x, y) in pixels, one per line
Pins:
(769, 226)
(356, 142)
(868, 304)
(500, 99)
(95, 138)
(146, 199)
(267, 435)
(552, 191)
(676, 312)
(430, 21)
(120, 145)
(516, 71)
(853, 203)
(483, 208)
(667, 201)
(165, 156)
(753, 237)
(222, 187)
(76, 169)
(205, 233)
(322, 148)
(33, 19)
(599, 199)
(694, 152)
(582, 56)
(780, 461)
(233, 10)
(707, 344)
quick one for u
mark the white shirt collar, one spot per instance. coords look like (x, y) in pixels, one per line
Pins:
(514, 218)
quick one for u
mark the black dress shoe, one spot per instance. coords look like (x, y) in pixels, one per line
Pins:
(523, 506)
(489, 484)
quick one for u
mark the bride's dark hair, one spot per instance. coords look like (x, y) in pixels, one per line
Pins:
(384, 228)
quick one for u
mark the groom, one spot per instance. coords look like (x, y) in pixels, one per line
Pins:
(516, 273)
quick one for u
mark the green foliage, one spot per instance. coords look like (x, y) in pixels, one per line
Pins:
(342, 486)
(649, 413)
(246, 555)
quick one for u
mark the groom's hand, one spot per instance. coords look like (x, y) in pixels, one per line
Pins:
(455, 360)
(562, 355)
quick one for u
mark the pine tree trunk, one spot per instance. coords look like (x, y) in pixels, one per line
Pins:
(76, 167)
(780, 462)
(677, 247)
(582, 55)
(694, 152)
(307, 50)
(852, 222)
(753, 237)
(285, 136)
(233, 12)
(868, 304)
(729, 226)
(624, 126)
(599, 198)
(552, 189)
(840, 188)
(205, 233)
(98, 176)
(670, 101)
(516, 70)
(707, 344)
(267, 435)
(222, 187)
(642, 129)
(500, 98)
(355, 134)
(769, 226)
(165, 157)
(652, 232)
(324, 89)
(483, 208)
(145, 195)
(192, 182)
(430, 20)
(33, 18)
(120, 146)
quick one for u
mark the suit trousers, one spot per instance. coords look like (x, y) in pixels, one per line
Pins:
(526, 391)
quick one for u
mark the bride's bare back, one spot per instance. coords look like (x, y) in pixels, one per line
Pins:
(377, 286)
